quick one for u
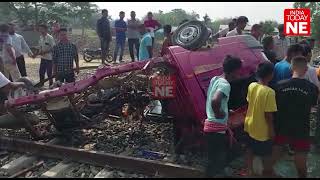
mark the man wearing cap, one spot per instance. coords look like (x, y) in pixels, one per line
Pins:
(240, 25)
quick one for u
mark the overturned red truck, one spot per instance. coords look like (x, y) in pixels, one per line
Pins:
(193, 70)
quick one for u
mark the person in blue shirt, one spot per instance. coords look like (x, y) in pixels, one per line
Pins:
(282, 69)
(145, 49)
(121, 28)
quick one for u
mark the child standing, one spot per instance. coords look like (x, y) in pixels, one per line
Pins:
(259, 118)
(217, 110)
(295, 98)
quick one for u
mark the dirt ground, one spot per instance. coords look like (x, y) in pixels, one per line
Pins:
(32, 66)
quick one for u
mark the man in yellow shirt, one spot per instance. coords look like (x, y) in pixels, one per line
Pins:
(259, 119)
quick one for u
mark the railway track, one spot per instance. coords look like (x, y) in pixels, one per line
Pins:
(25, 158)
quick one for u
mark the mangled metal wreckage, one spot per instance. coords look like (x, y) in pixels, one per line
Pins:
(112, 87)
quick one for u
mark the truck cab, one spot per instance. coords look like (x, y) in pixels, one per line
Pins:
(195, 69)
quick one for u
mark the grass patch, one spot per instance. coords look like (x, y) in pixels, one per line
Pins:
(87, 32)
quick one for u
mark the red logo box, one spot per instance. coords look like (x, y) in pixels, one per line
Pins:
(297, 22)
(164, 87)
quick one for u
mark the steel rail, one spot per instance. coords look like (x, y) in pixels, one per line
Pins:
(132, 164)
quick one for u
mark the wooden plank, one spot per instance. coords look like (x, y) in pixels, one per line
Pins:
(22, 162)
(138, 165)
(58, 171)
(104, 173)
(27, 170)
(18, 164)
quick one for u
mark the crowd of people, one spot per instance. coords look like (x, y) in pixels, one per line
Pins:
(140, 36)
(58, 54)
(57, 59)
(279, 104)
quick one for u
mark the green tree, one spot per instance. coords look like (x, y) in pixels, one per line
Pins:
(174, 17)
(43, 12)
(5, 13)
(194, 16)
(315, 16)
(23, 11)
(32, 12)
(214, 25)
(84, 11)
(268, 26)
(206, 19)
(54, 11)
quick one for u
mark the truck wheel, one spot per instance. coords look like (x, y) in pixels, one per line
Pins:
(191, 35)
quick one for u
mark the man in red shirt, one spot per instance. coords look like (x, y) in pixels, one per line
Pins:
(151, 25)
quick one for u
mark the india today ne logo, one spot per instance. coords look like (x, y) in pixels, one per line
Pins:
(297, 22)
(164, 87)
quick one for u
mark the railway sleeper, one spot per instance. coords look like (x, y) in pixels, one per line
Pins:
(59, 170)
(22, 162)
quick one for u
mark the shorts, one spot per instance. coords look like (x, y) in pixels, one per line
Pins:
(259, 148)
(298, 145)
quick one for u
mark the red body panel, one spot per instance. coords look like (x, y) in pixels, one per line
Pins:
(195, 69)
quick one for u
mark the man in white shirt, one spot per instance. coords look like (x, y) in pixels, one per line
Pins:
(133, 35)
(281, 44)
(7, 54)
(20, 46)
(240, 25)
(14, 116)
(311, 74)
(256, 32)
(224, 32)
(46, 44)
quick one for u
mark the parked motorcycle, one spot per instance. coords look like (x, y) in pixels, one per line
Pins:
(91, 54)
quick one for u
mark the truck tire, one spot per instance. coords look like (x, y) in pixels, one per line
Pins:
(191, 35)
